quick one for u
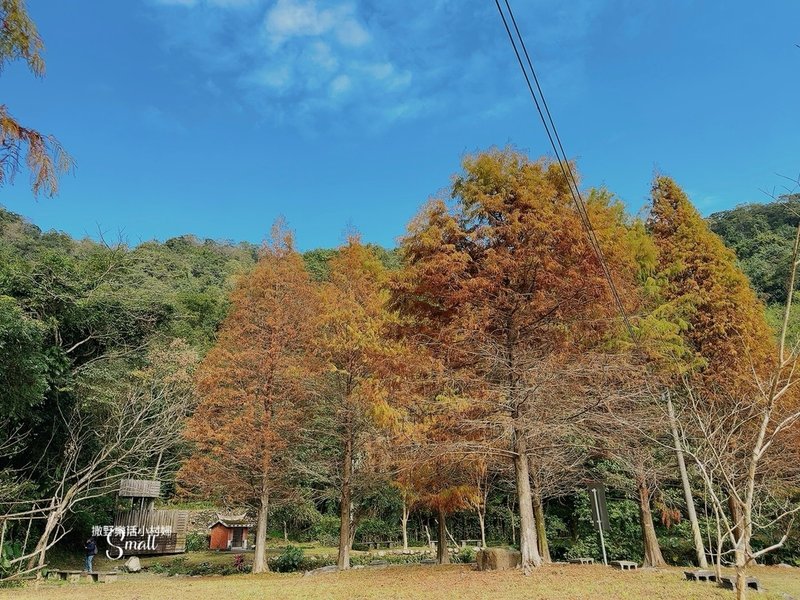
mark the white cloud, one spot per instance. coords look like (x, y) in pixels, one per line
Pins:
(350, 33)
(231, 3)
(176, 2)
(288, 19)
(317, 57)
(219, 3)
(278, 78)
(321, 55)
(386, 73)
(340, 85)
(379, 61)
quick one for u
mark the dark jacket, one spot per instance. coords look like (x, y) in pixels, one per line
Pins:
(91, 547)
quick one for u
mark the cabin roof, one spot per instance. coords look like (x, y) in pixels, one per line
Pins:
(231, 521)
(139, 488)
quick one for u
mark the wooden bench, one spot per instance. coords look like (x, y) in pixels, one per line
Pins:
(624, 565)
(582, 561)
(475, 543)
(730, 583)
(700, 575)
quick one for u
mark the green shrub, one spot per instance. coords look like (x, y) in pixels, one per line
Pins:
(291, 559)
(177, 567)
(315, 562)
(157, 567)
(465, 555)
(9, 552)
(326, 530)
(373, 529)
(392, 559)
(196, 542)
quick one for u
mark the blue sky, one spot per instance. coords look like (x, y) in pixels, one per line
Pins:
(213, 117)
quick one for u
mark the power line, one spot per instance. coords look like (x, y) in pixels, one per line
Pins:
(558, 149)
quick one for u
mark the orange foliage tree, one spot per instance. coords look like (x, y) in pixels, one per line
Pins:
(251, 386)
(701, 286)
(366, 369)
(41, 154)
(739, 407)
(502, 281)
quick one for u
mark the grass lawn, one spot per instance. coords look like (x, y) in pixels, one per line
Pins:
(567, 582)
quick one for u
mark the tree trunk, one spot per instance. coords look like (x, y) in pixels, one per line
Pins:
(482, 523)
(528, 545)
(40, 551)
(652, 550)
(741, 574)
(58, 508)
(404, 523)
(720, 539)
(260, 557)
(285, 531)
(343, 560)
(739, 524)
(513, 530)
(699, 548)
(541, 532)
(442, 552)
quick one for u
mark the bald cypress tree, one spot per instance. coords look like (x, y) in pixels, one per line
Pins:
(724, 321)
(509, 287)
(20, 145)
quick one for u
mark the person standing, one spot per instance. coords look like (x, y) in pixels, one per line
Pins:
(91, 550)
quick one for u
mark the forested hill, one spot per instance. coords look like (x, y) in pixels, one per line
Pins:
(190, 278)
(78, 317)
(762, 236)
(66, 302)
(178, 287)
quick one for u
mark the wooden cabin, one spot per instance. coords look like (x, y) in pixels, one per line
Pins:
(229, 533)
(143, 530)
